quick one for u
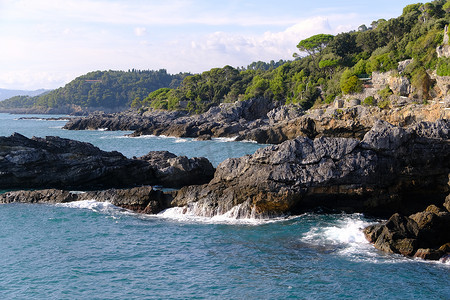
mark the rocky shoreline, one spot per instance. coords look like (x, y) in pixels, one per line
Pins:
(338, 160)
(55, 162)
(261, 121)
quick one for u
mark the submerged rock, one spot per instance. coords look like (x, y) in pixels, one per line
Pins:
(62, 163)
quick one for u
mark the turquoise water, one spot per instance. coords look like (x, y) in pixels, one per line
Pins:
(216, 150)
(90, 250)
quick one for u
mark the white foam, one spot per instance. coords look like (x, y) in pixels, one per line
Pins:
(180, 140)
(103, 207)
(183, 214)
(225, 139)
(345, 235)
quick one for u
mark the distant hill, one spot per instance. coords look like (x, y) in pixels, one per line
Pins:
(102, 89)
(5, 94)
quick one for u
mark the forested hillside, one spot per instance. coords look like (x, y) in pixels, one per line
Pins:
(108, 89)
(324, 68)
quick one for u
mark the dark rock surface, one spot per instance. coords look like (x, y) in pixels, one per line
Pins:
(55, 162)
(178, 171)
(41, 196)
(225, 120)
(143, 199)
(139, 199)
(391, 169)
(425, 234)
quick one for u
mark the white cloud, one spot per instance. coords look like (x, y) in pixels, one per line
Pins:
(222, 48)
(140, 31)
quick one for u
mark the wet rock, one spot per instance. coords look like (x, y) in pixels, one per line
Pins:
(143, 199)
(397, 235)
(424, 234)
(429, 254)
(41, 196)
(139, 199)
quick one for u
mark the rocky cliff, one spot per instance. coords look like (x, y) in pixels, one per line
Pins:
(390, 169)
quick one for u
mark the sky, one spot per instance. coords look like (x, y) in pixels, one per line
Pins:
(47, 43)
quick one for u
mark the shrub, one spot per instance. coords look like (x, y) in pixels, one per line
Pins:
(369, 101)
(350, 83)
(443, 67)
(385, 93)
(384, 104)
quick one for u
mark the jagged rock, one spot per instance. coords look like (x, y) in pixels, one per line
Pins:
(62, 163)
(225, 120)
(433, 224)
(424, 234)
(429, 254)
(139, 199)
(178, 171)
(392, 169)
(262, 121)
(397, 235)
(284, 113)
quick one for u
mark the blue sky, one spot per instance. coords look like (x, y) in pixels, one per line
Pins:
(47, 43)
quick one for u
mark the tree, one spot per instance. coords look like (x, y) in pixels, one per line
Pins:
(446, 7)
(314, 44)
(362, 28)
(350, 83)
(343, 44)
(329, 63)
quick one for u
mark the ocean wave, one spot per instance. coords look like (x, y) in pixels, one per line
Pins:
(343, 236)
(230, 217)
(225, 139)
(96, 206)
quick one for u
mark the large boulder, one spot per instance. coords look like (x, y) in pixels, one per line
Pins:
(397, 235)
(391, 169)
(178, 171)
(143, 199)
(424, 234)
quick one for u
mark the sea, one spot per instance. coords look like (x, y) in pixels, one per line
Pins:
(92, 250)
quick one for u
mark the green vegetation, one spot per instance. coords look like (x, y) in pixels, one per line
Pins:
(385, 93)
(384, 104)
(369, 101)
(334, 66)
(443, 67)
